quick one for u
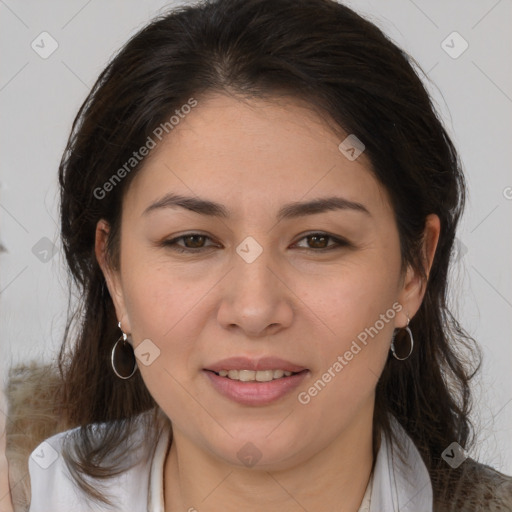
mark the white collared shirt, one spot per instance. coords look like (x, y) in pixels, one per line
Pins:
(393, 486)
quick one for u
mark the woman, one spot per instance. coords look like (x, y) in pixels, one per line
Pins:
(258, 206)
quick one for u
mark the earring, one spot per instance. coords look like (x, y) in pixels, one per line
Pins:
(123, 359)
(411, 341)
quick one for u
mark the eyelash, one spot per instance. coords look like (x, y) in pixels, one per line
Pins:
(172, 244)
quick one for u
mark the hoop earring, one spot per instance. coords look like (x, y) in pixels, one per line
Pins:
(411, 340)
(123, 357)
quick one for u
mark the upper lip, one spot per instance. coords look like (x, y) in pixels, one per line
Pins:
(246, 363)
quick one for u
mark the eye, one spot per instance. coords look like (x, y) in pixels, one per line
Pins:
(193, 242)
(319, 242)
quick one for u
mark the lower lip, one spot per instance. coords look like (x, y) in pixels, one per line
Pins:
(255, 393)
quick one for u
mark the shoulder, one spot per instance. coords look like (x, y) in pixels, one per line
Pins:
(493, 488)
(53, 487)
(475, 487)
(49, 476)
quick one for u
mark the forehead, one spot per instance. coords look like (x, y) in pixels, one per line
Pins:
(254, 153)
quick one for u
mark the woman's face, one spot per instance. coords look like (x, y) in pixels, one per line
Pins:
(267, 282)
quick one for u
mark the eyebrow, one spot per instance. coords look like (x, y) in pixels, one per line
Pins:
(288, 211)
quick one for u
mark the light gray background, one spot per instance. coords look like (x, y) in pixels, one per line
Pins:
(39, 99)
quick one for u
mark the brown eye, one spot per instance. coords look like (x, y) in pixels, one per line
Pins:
(319, 242)
(193, 242)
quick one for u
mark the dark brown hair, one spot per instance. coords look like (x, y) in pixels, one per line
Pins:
(344, 66)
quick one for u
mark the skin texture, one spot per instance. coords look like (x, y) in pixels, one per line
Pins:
(305, 306)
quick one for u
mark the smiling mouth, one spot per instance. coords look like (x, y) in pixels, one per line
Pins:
(255, 376)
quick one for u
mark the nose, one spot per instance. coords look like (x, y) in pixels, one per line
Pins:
(256, 298)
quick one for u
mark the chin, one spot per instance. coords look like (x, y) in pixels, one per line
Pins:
(262, 451)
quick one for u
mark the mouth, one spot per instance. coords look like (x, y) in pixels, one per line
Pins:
(255, 387)
(255, 375)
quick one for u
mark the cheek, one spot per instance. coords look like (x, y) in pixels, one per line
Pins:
(358, 315)
(169, 316)
(159, 295)
(165, 305)
(353, 297)
(159, 310)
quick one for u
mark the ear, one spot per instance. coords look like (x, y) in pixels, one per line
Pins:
(112, 276)
(414, 285)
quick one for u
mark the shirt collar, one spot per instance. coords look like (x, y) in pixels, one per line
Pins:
(394, 486)
(400, 486)
(156, 475)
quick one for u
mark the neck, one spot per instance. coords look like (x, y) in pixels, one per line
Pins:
(333, 479)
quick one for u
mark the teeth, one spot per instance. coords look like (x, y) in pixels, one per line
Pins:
(251, 375)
